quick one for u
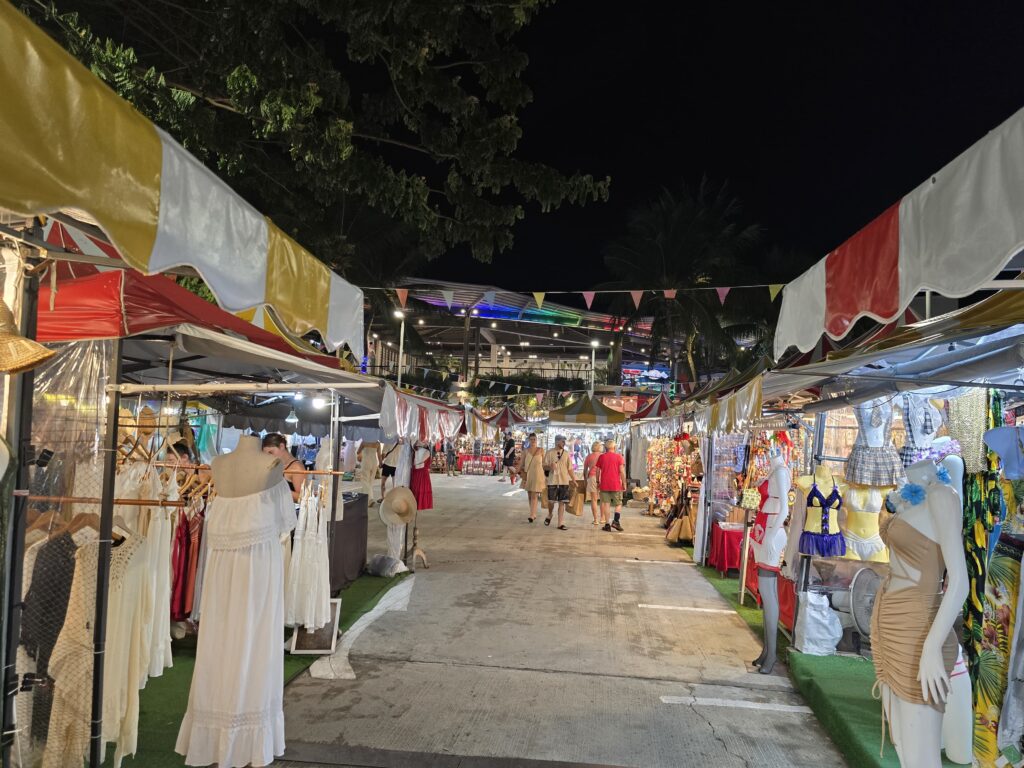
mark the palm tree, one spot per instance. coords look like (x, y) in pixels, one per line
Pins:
(684, 238)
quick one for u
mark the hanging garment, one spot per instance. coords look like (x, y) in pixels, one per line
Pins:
(419, 480)
(161, 531)
(195, 533)
(982, 503)
(873, 460)
(998, 629)
(235, 713)
(968, 423)
(921, 420)
(197, 589)
(24, 750)
(180, 552)
(823, 543)
(71, 666)
(1008, 442)
(1011, 721)
(308, 589)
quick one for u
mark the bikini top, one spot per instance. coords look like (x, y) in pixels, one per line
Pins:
(833, 501)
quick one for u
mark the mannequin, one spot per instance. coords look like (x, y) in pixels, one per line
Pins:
(873, 460)
(859, 520)
(246, 470)
(912, 624)
(958, 721)
(769, 541)
(921, 420)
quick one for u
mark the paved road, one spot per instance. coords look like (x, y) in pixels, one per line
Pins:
(556, 648)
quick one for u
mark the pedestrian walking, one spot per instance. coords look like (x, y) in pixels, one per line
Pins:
(558, 465)
(451, 458)
(531, 469)
(611, 481)
(508, 450)
(590, 473)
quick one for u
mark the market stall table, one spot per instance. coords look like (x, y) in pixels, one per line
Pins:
(726, 542)
(348, 541)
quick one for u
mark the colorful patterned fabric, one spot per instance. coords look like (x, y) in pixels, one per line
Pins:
(983, 500)
(1001, 592)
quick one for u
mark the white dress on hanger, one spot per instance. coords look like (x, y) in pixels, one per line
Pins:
(161, 532)
(235, 714)
(308, 595)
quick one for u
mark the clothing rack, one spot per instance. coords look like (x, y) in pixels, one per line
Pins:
(170, 464)
(118, 502)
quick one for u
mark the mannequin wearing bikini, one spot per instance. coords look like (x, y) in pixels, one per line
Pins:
(246, 470)
(924, 534)
(858, 520)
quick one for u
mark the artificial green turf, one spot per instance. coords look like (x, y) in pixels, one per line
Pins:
(162, 702)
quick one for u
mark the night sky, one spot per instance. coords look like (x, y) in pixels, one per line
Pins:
(818, 115)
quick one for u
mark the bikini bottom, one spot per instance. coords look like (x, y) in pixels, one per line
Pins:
(861, 548)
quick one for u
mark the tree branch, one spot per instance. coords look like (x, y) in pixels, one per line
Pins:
(403, 144)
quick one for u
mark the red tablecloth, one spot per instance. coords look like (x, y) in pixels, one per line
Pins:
(786, 589)
(488, 460)
(725, 548)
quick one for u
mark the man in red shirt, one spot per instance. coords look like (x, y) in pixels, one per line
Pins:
(611, 482)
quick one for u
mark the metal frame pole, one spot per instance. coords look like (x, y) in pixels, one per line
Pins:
(337, 426)
(20, 432)
(103, 565)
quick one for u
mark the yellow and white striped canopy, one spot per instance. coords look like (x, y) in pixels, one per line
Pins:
(84, 147)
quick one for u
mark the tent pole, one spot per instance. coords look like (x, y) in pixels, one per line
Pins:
(336, 435)
(20, 437)
(103, 565)
(250, 387)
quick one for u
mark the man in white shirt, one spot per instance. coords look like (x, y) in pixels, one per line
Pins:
(558, 465)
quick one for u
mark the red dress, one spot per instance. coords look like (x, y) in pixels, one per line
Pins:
(419, 484)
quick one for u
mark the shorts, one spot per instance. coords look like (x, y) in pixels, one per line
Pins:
(386, 470)
(592, 491)
(558, 493)
(612, 497)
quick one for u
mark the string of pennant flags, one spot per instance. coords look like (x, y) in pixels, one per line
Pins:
(588, 296)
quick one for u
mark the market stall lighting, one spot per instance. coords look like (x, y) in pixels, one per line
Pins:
(376, 336)
(593, 343)
(494, 325)
(389, 343)
(298, 396)
(533, 357)
(583, 357)
(421, 321)
(399, 314)
(319, 402)
(555, 334)
(291, 418)
(476, 311)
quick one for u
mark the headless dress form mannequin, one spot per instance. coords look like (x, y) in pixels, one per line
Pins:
(916, 726)
(768, 555)
(246, 470)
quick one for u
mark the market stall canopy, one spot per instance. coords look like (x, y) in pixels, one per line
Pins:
(734, 412)
(655, 409)
(272, 415)
(414, 417)
(506, 418)
(164, 325)
(586, 410)
(84, 147)
(980, 343)
(952, 234)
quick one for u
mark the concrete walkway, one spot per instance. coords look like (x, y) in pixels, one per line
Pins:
(556, 648)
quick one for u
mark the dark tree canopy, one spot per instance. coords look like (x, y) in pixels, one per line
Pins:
(316, 109)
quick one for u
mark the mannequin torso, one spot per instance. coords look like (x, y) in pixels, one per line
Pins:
(246, 470)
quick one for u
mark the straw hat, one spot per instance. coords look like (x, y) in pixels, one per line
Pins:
(18, 354)
(398, 507)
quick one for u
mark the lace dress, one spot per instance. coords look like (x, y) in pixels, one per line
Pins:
(235, 713)
(308, 595)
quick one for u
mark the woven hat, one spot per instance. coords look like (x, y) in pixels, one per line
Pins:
(398, 507)
(18, 354)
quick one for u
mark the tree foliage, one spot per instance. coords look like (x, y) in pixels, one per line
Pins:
(313, 109)
(684, 238)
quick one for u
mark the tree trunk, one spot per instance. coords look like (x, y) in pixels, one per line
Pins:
(691, 339)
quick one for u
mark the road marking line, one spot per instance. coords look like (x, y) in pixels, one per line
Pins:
(647, 535)
(660, 562)
(513, 493)
(692, 608)
(737, 704)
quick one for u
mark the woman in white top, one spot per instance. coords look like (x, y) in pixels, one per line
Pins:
(531, 469)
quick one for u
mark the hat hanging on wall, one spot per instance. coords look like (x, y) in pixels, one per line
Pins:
(18, 354)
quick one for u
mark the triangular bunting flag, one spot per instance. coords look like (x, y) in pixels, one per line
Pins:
(539, 298)
(540, 398)
(488, 299)
(518, 389)
(773, 290)
(670, 294)
(476, 382)
(449, 297)
(588, 296)
(637, 295)
(444, 376)
(722, 293)
(403, 294)
(493, 384)
(507, 387)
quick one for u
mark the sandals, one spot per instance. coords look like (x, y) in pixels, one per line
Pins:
(530, 519)
(547, 521)
(563, 528)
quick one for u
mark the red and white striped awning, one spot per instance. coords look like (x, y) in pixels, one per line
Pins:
(952, 234)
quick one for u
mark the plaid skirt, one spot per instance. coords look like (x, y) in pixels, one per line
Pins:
(875, 466)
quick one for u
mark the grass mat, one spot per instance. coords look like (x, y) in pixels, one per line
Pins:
(163, 701)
